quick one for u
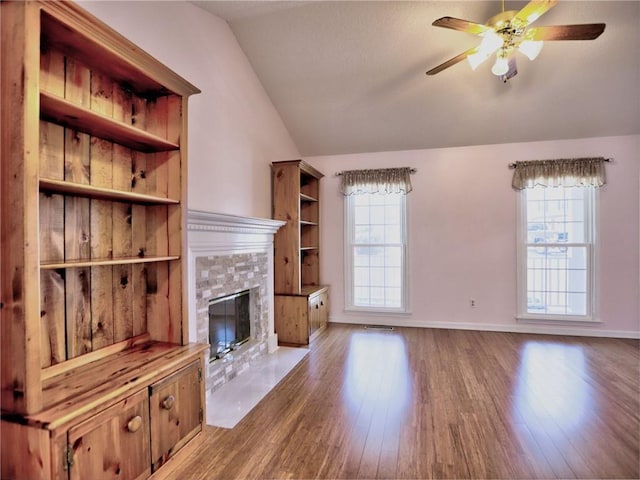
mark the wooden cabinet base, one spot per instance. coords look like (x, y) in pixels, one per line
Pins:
(111, 434)
(298, 318)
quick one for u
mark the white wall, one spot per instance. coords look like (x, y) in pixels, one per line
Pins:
(462, 240)
(234, 130)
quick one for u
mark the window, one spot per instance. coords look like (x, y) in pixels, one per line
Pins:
(376, 252)
(557, 253)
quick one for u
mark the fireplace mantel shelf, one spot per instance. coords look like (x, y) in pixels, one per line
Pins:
(219, 222)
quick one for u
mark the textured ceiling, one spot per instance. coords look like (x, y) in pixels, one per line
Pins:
(349, 77)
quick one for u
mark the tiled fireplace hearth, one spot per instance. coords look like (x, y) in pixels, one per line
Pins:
(229, 254)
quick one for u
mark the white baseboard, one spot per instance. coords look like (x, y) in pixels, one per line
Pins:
(579, 331)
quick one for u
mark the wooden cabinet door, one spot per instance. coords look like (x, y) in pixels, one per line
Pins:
(176, 412)
(292, 319)
(323, 315)
(114, 443)
(314, 313)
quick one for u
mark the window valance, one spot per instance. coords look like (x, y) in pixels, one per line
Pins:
(382, 180)
(567, 172)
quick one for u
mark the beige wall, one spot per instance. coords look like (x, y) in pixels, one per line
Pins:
(462, 212)
(462, 240)
(234, 130)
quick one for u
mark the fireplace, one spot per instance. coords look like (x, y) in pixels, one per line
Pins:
(229, 323)
(229, 255)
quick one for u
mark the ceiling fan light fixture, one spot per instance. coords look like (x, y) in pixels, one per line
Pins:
(491, 42)
(501, 67)
(475, 59)
(508, 31)
(530, 48)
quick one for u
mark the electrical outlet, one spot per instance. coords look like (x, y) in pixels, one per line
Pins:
(472, 302)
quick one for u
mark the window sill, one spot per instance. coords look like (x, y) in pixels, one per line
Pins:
(532, 318)
(378, 311)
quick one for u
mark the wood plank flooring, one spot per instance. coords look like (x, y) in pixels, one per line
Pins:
(427, 403)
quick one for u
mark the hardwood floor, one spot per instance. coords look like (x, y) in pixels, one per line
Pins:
(421, 403)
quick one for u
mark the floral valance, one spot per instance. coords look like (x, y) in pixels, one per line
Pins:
(567, 172)
(382, 180)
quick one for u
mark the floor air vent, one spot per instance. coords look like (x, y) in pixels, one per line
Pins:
(378, 327)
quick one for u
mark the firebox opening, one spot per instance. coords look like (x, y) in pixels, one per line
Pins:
(229, 323)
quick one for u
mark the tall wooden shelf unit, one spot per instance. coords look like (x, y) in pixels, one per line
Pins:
(98, 379)
(301, 303)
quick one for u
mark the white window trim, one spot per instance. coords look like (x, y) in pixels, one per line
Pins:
(592, 265)
(348, 264)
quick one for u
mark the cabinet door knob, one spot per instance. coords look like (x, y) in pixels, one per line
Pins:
(317, 306)
(322, 303)
(134, 424)
(168, 402)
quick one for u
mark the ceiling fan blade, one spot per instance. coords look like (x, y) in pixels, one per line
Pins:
(461, 25)
(451, 62)
(532, 11)
(587, 31)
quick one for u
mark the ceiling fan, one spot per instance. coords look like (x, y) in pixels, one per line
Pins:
(510, 31)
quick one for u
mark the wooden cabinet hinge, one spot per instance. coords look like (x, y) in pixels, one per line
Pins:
(67, 457)
(201, 415)
(199, 374)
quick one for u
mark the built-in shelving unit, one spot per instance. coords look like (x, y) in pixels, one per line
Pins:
(98, 378)
(301, 303)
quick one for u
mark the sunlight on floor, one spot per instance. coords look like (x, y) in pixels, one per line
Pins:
(235, 399)
(377, 374)
(551, 390)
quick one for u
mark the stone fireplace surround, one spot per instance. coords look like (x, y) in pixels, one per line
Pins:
(228, 254)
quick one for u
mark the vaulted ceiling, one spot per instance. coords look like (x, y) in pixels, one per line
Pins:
(349, 76)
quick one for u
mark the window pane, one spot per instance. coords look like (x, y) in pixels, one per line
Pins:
(394, 297)
(377, 238)
(393, 256)
(553, 193)
(361, 256)
(377, 277)
(577, 280)
(392, 234)
(377, 215)
(393, 277)
(577, 303)
(377, 297)
(577, 193)
(577, 257)
(376, 256)
(361, 276)
(537, 232)
(362, 234)
(535, 194)
(556, 274)
(361, 216)
(376, 234)
(392, 215)
(361, 296)
(575, 232)
(360, 200)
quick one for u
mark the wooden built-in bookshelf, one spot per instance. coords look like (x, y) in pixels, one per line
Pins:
(94, 321)
(301, 303)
